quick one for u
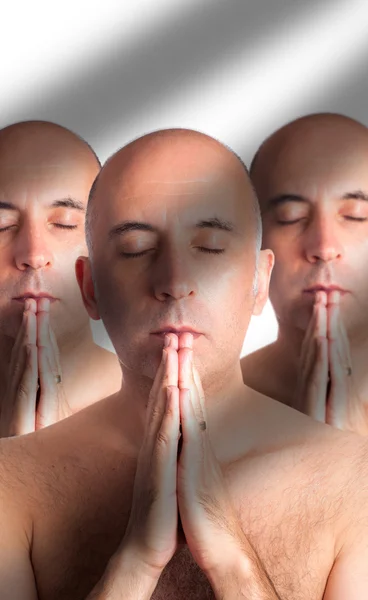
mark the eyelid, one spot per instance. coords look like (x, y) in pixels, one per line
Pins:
(6, 228)
(64, 226)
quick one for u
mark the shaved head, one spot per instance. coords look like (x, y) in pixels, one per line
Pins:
(173, 228)
(46, 173)
(311, 178)
(35, 142)
(171, 140)
(322, 132)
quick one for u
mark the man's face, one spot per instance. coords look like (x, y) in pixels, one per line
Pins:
(314, 201)
(176, 252)
(42, 211)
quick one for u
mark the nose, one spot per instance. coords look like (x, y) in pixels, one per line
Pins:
(32, 249)
(173, 278)
(323, 242)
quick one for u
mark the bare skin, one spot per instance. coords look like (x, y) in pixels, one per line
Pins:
(311, 181)
(47, 353)
(67, 489)
(185, 483)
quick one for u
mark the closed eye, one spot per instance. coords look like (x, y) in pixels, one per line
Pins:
(280, 222)
(135, 254)
(6, 228)
(62, 226)
(211, 250)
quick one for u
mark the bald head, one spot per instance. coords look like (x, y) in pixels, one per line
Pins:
(34, 143)
(46, 173)
(175, 246)
(169, 162)
(306, 146)
(311, 178)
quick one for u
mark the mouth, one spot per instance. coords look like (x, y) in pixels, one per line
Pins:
(177, 330)
(328, 289)
(35, 296)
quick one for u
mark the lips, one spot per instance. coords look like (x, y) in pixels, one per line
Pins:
(177, 330)
(35, 295)
(328, 289)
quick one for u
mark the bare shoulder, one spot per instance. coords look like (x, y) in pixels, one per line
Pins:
(256, 360)
(309, 466)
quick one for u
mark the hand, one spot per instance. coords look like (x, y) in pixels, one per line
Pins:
(33, 398)
(344, 407)
(326, 388)
(312, 386)
(52, 405)
(152, 529)
(212, 529)
(150, 539)
(193, 482)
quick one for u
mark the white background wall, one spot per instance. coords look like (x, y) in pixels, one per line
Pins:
(235, 69)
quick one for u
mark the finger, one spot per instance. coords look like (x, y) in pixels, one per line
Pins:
(186, 379)
(319, 302)
(55, 349)
(186, 340)
(336, 410)
(317, 330)
(340, 344)
(43, 333)
(166, 446)
(333, 312)
(169, 340)
(167, 376)
(316, 389)
(152, 527)
(49, 406)
(24, 410)
(338, 330)
(192, 452)
(198, 384)
(19, 353)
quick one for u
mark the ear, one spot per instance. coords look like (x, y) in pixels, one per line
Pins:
(266, 261)
(83, 274)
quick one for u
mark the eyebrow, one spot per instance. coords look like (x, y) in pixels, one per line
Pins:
(130, 226)
(64, 203)
(7, 206)
(357, 195)
(69, 203)
(213, 223)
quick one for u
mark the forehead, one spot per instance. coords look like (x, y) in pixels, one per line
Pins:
(171, 184)
(314, 164)
(35, 174)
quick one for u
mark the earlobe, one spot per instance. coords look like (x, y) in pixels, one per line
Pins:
(84, 277)
(265, 265)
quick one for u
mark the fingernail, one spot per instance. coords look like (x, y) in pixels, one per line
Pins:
(166, 341)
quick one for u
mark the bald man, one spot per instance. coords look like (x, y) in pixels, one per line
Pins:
(173, 233)
(311, 179)
(50, 366)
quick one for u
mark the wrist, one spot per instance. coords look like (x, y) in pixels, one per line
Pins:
(128, 577)
(242, 578)
(229, 577)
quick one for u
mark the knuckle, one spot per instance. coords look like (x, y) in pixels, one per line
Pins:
(22, 390)
(162, 439)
